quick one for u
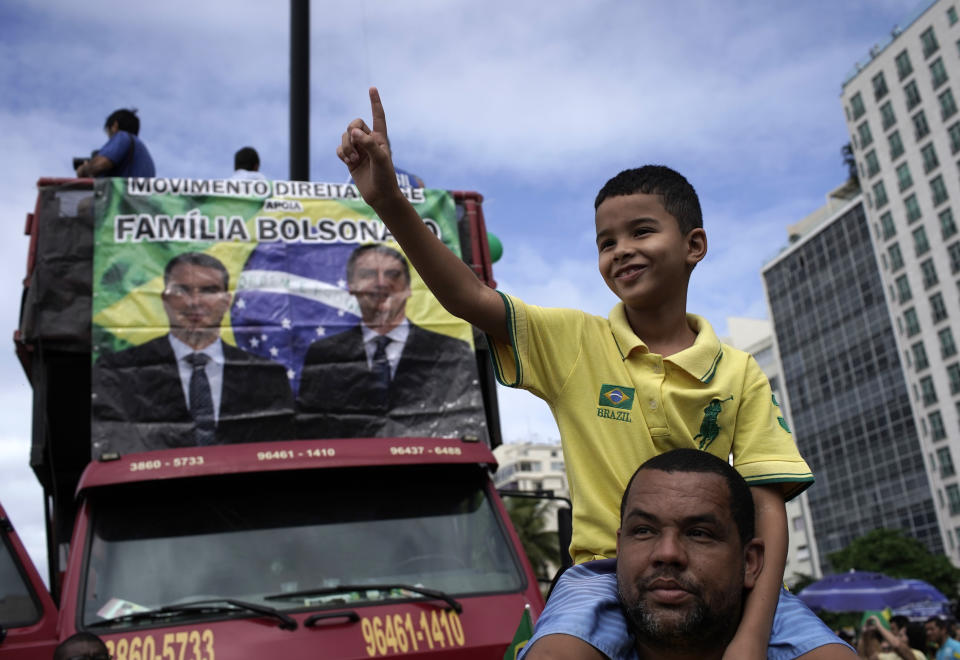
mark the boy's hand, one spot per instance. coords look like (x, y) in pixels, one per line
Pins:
(366, 154)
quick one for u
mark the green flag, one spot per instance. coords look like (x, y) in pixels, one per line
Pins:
(521, 637)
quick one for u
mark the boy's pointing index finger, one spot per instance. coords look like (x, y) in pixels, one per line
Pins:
(376, 109)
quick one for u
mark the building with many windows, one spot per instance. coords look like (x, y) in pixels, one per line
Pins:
(902, 114)
(843, 383)
(755, 336)
(531, 467)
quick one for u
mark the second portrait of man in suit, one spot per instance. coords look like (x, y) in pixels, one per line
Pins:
(387, 376)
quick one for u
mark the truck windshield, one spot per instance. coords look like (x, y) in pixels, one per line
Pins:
(251, 536)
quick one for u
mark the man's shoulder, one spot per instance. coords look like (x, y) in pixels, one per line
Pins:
(157, 347)
(420, 334)
(233, 355)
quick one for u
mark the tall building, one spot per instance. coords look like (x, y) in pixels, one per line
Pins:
(755, 336)
(530, 466)
(902, 114)
(843, 384)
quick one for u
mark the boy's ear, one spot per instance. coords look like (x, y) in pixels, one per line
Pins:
(752, 562)
(696, 246)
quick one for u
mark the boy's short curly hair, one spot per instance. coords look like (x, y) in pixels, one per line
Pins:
(677, 195)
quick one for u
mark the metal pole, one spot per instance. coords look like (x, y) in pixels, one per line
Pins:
(300, 90)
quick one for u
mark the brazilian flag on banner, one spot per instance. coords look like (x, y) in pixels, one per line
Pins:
(521, 637)
(294, 311)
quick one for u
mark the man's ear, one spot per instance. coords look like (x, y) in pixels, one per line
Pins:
(752, 562)
(618, 542)
(696, 246)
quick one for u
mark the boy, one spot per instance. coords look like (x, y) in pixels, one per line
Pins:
(616, 398)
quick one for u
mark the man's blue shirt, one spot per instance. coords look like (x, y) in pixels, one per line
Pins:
(950, 650)
(127, 161)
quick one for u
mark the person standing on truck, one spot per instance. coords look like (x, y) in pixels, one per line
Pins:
(648, 379)
(386, 375)
(124, 154)
(82, 646)
(189, 387)
(246, 165)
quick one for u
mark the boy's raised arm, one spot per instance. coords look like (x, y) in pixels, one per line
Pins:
(366, 153)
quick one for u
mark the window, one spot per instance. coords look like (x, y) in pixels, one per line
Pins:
(904, 68)
(863, 130)
(929, 41)
(953, 375)
(939, 190)
(896, 144)
(937, 430)
(928, 391)
(903, 176)
(920, 243)
(913, 208)
(954, 252)
(912, 94)
(911, 321)
(920, 361)
(929, 274)
(938, 73)
(930, 161)
(873, 164)
(938, 309)
(880, 194)
(947, 347)
(920, 126)
(896, 257)
(886, 222)
(954, 132)
(798, 524)
(948, 107)
(946, 462)
(903, 289)
(947, 226)
(879, 86)
(856, 104)
(953, 495)
(952, 15)
(887, 116)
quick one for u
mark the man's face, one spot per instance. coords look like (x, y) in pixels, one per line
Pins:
(380, 284)
(935, 633)
(681, 568)
(195, 297)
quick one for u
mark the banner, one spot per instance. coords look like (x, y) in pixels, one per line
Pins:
(245, 311)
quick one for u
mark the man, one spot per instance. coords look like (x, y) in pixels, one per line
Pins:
(82, 646)
(124, 154)
(387, 376)
(937, 634)
(246, 164)
(189, 387)
(686, 557)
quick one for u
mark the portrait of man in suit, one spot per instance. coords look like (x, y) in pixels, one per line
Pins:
(189, 387)
(387, 376)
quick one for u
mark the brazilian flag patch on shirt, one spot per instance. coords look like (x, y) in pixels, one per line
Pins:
(616, 396)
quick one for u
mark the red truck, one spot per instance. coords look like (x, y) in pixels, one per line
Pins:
(334, 548)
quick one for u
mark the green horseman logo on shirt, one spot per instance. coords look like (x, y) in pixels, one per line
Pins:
(615, 402)
(709, 428)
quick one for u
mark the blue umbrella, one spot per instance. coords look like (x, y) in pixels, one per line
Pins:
(857, 591)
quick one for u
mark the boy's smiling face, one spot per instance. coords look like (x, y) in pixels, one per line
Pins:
(643, 256)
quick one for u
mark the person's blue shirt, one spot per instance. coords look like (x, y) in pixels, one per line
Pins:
(949, 650)
(127, 160)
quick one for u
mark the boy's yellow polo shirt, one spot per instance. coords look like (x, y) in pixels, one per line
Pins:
(617, 405)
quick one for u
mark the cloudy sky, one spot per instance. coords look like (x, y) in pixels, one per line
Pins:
(533, 104)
